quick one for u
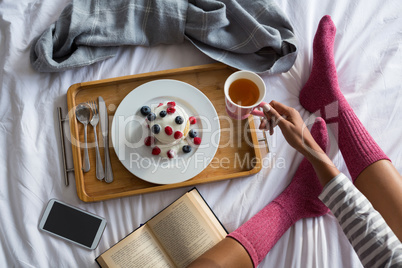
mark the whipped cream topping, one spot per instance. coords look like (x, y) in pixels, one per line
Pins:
(169, 130)
(176, 148)
(169, 120)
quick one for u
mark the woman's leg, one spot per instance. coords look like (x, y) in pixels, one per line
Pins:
(257, 236)
(370, 169)
(382, 185)
(227, 253)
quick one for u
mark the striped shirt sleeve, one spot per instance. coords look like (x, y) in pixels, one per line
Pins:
(372, 239)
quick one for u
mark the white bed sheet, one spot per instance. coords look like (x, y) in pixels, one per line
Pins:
(368, 58)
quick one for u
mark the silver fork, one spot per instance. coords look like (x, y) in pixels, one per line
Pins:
(94, 122)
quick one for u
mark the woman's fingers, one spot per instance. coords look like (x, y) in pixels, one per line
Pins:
(289, 121)
(273, 118)
(280, 107)
(279, 114)
(263, 124)
(268, 120)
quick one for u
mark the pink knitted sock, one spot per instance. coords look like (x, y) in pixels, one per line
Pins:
(322, 94)
(299, 200)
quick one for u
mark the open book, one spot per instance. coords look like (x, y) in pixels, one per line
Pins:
(173, 238)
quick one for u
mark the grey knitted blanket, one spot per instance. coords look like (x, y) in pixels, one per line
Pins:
(250, 35)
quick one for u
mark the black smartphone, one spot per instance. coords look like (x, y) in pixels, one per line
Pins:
(73, 224)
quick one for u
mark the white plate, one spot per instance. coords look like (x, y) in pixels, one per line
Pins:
(129, 130)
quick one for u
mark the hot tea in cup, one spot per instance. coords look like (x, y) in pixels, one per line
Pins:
(244, 92)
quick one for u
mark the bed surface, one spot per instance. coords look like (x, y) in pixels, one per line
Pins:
(369, 64)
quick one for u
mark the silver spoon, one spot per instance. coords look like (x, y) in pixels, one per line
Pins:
(83, 114)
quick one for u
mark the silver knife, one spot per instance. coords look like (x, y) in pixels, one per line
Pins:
(104, 122)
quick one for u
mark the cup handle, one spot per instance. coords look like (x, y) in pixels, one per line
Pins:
(258, 112)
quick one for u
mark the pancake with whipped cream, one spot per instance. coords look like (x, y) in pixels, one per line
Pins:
(169, 125)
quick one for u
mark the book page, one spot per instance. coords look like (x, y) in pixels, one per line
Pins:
(183, 232)
(139, 249)
(208, 214)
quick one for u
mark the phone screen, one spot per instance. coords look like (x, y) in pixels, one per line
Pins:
(73, 224)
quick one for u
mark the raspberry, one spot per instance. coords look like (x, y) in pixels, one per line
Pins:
(160, 104)
(149, 141)
(178, 135)
(156, 150)
(186, 148)
(192, 133)
(197, 140)
(192, 120)
(171, 104)
(168, 130)
(171, 154)
(170, 110)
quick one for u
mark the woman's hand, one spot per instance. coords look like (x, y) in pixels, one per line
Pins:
(291, 124)
(299, 137)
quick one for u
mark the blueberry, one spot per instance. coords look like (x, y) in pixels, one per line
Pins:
(145, 110)
(192, 133)
(156, 129)
(186, 148)
(163, 113)
(179, 120)
(151, 117)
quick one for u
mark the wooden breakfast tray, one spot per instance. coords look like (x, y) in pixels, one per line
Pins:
(240, 155)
